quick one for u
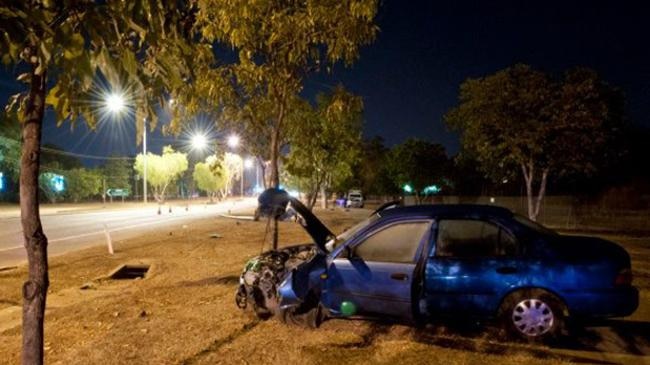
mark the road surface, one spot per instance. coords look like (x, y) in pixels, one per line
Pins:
(69, 231)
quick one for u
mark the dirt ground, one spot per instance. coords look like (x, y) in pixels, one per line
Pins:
(183, 312)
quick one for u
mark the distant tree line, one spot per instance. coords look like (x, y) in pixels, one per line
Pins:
(522, 132)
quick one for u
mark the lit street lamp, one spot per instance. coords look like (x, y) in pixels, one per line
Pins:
(199, 142)
(115, 104)
(233, 141)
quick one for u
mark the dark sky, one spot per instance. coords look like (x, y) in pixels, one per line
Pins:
(410, 76)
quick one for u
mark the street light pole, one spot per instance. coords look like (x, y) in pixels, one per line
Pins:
(144, 152)
(241, 188)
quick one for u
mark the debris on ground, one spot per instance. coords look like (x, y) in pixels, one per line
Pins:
(88, 285)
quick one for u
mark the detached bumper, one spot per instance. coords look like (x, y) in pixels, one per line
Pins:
(619, 302)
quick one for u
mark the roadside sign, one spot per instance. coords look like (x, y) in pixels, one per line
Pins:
(116, 193)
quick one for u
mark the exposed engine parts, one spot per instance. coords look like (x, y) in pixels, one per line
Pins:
(263, 274)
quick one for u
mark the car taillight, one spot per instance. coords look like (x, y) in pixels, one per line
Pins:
(624, 277)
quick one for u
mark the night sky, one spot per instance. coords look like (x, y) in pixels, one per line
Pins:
(410, 76)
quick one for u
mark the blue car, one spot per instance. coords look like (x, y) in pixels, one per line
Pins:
(427, 262)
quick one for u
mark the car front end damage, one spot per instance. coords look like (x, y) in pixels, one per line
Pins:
(262, 277)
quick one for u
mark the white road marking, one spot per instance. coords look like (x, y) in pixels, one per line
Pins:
(101, 232)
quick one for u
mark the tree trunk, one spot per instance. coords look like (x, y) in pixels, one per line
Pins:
(534, 204)
(274, 180)
(541, 192)
(35, 288)
(528, 178)
(323, 193)
(275, 173)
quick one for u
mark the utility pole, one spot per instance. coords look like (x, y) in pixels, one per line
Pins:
(144, 152)
(241, 188)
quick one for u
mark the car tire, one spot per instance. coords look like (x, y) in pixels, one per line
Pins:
(533, 315)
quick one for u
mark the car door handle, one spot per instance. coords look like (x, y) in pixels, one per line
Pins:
(507, 270)
(399, 276)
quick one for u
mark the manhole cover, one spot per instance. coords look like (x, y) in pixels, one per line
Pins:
(126, 272)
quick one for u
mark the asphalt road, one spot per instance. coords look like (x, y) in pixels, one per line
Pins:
(69, 231)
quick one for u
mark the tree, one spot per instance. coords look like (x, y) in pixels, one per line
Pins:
(279, 44)
(522, 119)
(213, 177)
(82, 183)
(62, 46)
(372, 169)
(232, 165)
(117, 173)
(325, 144)
(418, 164)
(162, 170)
(466, 176)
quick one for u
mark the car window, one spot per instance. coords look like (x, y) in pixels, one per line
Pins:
(473, 238)
(332, 244)
(396, 243)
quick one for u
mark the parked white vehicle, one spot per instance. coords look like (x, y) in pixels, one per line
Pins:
(354, 199)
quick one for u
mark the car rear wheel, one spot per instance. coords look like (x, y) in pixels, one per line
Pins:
(533, 315)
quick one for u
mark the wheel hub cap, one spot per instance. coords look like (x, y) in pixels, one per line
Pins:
(532, 317)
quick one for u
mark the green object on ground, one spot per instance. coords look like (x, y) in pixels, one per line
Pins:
(348, 308)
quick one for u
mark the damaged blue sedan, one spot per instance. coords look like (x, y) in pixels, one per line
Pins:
(421, 263)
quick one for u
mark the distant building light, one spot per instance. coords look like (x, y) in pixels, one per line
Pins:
(58, 183)
(431, 189)
(407, 188)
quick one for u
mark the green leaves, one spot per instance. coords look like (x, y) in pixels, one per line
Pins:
(279, 44)
(140, 46)
(521, 116)
(325, 142)
(162, 169)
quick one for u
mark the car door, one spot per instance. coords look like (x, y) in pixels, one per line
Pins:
(473, 263)
(375, 273)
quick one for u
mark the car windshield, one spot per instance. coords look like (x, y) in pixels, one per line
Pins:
(534, 225)
(355, 196)
(335, 242)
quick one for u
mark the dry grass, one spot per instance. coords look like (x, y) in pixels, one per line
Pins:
(184, 311)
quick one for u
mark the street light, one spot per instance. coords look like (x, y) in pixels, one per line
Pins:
(115, 103)
(233, 141)
(248, 163)
(199, 142)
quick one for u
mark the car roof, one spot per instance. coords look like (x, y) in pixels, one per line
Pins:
(446, 209)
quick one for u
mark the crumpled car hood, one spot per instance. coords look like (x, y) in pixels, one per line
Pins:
(277, 202)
